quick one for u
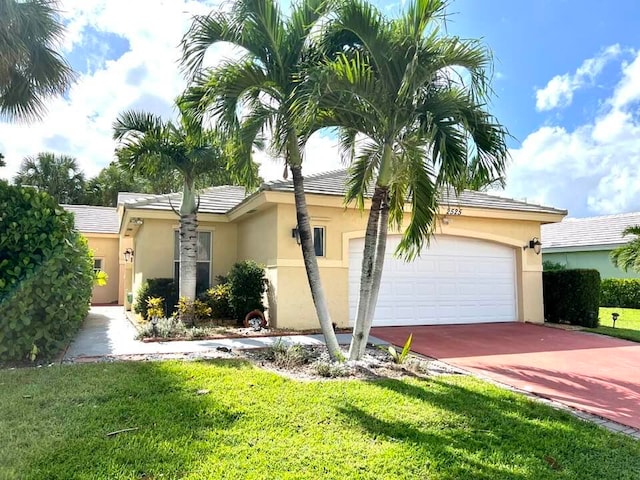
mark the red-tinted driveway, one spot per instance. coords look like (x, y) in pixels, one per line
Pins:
(593, 373)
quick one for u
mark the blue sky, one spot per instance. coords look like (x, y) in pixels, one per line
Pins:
(567, 85)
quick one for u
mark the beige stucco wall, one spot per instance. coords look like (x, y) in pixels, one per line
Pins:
(153, 247)
(105, 247)
(294, 307)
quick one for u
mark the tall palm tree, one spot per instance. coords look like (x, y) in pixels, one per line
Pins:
(408, 102)
(628, 256)
(58, 175)
(150, 146)
(31, 71)
(262, 84)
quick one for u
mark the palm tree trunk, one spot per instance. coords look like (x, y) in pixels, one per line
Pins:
(188, 243)
(310, 260)
(359, 339)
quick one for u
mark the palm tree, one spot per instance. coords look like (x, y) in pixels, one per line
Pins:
(150, 146)
(58, 175)
(408, 102)
(263, 84)
(628, 256)
(31, 71)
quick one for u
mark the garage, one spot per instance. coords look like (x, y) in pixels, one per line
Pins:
(455, 280)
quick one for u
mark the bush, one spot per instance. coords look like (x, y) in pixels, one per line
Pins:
(572, 296)
(165, 288)
(46, 274)
(620, 292)
(287, 356)
(247, 285)
(155, 307)
(217, 298)
(166, 328)
(549, 266)
(193, 311)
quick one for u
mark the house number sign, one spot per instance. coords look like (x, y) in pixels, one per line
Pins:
(454, 211)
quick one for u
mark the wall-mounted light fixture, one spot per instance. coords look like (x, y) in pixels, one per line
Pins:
(534, 244)
(128, 255)
(295, 233)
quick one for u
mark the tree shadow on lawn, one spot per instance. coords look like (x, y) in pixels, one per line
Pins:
(174, 422)
(477, 433)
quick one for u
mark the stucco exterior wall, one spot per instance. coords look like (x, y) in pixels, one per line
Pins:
(295, 306)
(598, 259)
(154, 243)
(105, 247)
(257, 236)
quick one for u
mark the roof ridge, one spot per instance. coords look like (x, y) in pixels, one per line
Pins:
(73, 205)
(522, 202)
(313, 176)
(612, 215)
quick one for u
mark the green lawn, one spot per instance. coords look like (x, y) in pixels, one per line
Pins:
(627, 326)
(254, 424)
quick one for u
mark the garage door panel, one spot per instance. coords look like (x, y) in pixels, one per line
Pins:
(455, 280)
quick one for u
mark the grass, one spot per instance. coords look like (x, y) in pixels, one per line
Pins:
(627, 325)
(253, 424)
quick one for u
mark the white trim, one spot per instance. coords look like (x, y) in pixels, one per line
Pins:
(582, 248)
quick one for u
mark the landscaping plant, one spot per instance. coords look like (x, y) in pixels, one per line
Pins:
(165, 288)
(46, 274)
(572, 296)
(192, 312)
(401, 357)
(247, 283)
(155, 307)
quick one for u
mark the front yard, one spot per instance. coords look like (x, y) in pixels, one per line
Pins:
(228, 419)
(627, 325)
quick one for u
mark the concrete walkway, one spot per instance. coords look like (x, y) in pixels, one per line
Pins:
(107, 332)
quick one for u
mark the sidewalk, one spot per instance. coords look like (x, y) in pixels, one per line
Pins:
(107, 332)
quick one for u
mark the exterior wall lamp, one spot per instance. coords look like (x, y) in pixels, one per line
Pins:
(295, 233)
(534, 244)
(128, 255)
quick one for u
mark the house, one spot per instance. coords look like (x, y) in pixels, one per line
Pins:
(100, 226)
(477, 268)
(588, 242)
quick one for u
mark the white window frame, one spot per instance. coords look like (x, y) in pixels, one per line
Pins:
(324, 240)
(176, 238)
(101, 267)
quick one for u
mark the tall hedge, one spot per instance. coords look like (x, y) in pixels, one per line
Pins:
(165, 288)
(620, 292)
(46, 274)
(247, 284)
(572, 296)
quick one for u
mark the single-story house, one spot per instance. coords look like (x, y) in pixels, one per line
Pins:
(101, 226)
(479, 266)
(588, 242)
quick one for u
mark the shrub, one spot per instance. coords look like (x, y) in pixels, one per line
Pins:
(193, 311)
(549, 266)
(165, 288)
(329, 369)
(247, 285)
(155, 307)
(166, 328)
(287, 356)
(218, 299)
(620, 292)
(46, 274)
(572, 296)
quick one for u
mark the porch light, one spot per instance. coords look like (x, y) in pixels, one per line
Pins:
(614, 317)
(295, 233)
(534, 244)
(128, 255)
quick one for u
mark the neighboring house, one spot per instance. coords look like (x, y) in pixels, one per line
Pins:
(587, 242)
(100, 226)
(477, 268)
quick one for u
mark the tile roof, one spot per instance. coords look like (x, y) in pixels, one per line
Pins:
(90, 219)
(333, 183)
(591, 231)
(212, 200)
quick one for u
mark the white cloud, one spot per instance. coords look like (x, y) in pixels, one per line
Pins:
(591, 169)
(558, 92)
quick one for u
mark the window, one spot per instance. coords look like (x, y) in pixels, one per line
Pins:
(97, 265)
(203, 260)
(318, 241)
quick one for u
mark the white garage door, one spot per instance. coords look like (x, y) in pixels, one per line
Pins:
(455, 280)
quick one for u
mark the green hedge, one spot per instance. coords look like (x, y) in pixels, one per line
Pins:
(165, 288)
(46, 274)
(247, 284)
(572, 296)
(620, 292)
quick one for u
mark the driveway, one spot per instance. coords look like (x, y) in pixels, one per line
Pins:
(593, 373)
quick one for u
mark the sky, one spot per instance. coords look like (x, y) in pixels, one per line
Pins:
(566, 81)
